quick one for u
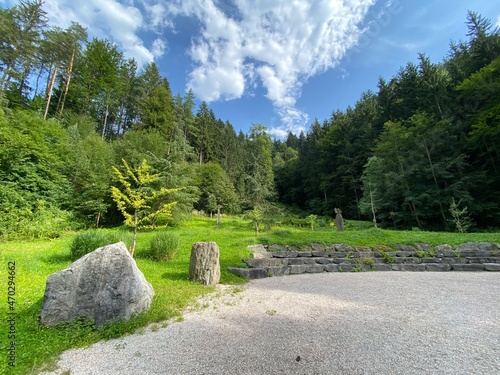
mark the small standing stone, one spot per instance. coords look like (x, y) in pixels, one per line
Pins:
(339, 220)
(204, 265)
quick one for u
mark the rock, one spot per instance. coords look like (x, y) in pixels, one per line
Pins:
(276, 247)
(493, 267)
(344, 267)
(474, 247)
(468, 267)
(315, 268)
(300, 261)
(260, 263)
(421, 246)
(383, 248)
(257, 248)
(103, 285)
(323, 260)
(343, 260)
(434, 267)
(318, 247)
(250, 273)
(454, 261)
(285, 254)
(204, 264)
(261, 255)
(382, 267)
(331, 268)
(259, 252)
(342, 247)
(277, 271)
(405, 248)
(431, 260)
(444, 251)
(339, 220)
(363, 248)
(408, 267)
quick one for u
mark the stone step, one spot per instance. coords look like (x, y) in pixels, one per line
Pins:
(300, 268)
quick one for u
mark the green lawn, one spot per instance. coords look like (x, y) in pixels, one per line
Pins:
(38, 347)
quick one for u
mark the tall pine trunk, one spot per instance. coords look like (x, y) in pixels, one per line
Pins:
(68, 79)
(49, 95)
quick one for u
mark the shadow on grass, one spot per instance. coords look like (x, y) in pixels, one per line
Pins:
(57, 258)
(176, 275)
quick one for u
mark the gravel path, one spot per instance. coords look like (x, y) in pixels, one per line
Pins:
(330, 323)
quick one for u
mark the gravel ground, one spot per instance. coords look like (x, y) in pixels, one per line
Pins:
(330, 323)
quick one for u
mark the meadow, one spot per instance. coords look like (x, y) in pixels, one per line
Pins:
(38, 347)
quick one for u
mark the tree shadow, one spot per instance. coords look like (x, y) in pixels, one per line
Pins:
(175, 275)
(57, 258)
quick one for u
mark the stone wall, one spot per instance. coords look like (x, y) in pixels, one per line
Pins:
(278, 260)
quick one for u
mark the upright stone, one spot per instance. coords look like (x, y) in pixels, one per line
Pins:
(204, 266)
(339, 220)
(104, 285)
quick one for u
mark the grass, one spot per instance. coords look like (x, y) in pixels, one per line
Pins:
(38, 347)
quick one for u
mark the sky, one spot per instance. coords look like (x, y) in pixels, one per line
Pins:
(280, 63)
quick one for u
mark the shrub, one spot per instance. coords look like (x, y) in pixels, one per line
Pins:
(163, 246)
(88, 241)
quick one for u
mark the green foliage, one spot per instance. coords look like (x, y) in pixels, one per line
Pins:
(312, 219)
(358, 269)
(431, 132)
(259, 174)
(34, 190)
(255, 216)
(87, 241)
(136, 199)
(36, 260)
(216, 188)
(388, 258)
(460, 216)
(93, 158)
(164, 246)
(368, 261)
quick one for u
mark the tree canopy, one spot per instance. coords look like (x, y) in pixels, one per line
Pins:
(412, 154)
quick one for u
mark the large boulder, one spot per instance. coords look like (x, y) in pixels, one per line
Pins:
(104, 285)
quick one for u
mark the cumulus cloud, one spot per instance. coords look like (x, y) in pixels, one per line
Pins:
(277, 44)
(242, 45)
(158, 48)
(106, 18)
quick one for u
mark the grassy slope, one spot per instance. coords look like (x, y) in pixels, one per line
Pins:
(35, 261)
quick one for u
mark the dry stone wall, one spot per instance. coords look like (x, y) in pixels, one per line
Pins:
(278, 260)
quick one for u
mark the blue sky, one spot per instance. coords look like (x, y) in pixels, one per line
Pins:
(281, 63)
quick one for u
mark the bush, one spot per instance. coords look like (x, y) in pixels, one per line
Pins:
(88, 241)
(163, 246)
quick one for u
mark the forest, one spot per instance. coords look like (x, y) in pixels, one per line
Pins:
(423, 152)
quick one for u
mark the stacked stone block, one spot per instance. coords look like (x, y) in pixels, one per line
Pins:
(279, 260)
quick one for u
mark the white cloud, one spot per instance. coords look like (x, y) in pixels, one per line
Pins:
(277, 43)
(498, 21)
(105, 18)
(158, 48)
(242, 44)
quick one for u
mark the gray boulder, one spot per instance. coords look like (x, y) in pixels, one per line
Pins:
(104, 285)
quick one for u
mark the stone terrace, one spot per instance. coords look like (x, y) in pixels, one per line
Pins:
(278, 260)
